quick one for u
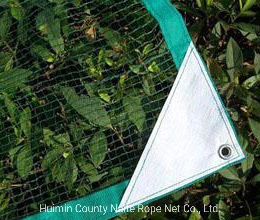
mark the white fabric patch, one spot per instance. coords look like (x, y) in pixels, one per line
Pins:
(185, 142)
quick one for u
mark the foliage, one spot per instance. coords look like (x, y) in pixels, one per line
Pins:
(227, 35)
(81, 90)
(79, 95)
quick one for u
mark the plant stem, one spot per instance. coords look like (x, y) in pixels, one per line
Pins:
(118, 135)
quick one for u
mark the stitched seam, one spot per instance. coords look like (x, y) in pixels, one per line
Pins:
(220, 165)
(215, 99)
(221, 114)
(177, 83)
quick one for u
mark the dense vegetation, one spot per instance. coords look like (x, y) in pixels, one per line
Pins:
(82, 83)
(226, 33)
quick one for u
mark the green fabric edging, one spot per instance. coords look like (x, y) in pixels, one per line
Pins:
(191, 183)
(108, 198)
(178, 40)
(173, 28)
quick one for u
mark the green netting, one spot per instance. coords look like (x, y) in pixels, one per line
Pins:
(81, 86)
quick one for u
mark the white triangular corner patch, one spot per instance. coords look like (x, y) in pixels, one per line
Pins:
(186, 141)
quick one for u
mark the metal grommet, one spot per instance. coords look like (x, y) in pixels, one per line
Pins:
(225, 151)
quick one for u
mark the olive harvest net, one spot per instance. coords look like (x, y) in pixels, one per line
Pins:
(81, 86)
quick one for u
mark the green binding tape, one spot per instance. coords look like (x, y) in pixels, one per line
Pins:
(178, 40)
(75, 210)
(172, 26)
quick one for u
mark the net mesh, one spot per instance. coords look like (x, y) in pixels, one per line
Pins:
(81, 86)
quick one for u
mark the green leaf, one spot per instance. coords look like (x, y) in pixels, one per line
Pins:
(147, 49)
(9, 65)
(98, 148)
(257, 63)
(12, 110)
(217, 31)
(96, 178)
(254, 106)
(255, 127)
(112, 37)
(133, 107)
(86, 167)
(200, 3)
(76, 2)
(216, 70)
(65, 171)
(256, 179)
(257, 163)
(90, 108)
(25, 121)
(206, 200)
(257, 152)
(4, 201)
(178, 195)
(116, 171)
(136, 69)
(230, 174)
(195, 215)
(77, 129)
(24, 161)
(251, 82)
(48, 136)
(23, 30)
(17, 10)
(104, 96)
(148, 85)
(71, 172)
(56, 172)
(43, 52)
(53, 140)
(4, 59)
(247, 14)
(54, 36)
(249, 4)
(49, 25)
(223, 212)
(210, 2)
(234, 57)
(115, 175)
(12, 79)
(154, 68)
(13, 154)
(109, 62)
(247, 164)
(101, 55)
(51, 157)
(248, 28)
(5, 24)
(62, 139)
(240, 5)
(137, 215)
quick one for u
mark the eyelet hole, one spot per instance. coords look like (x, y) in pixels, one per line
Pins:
(225, 152)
